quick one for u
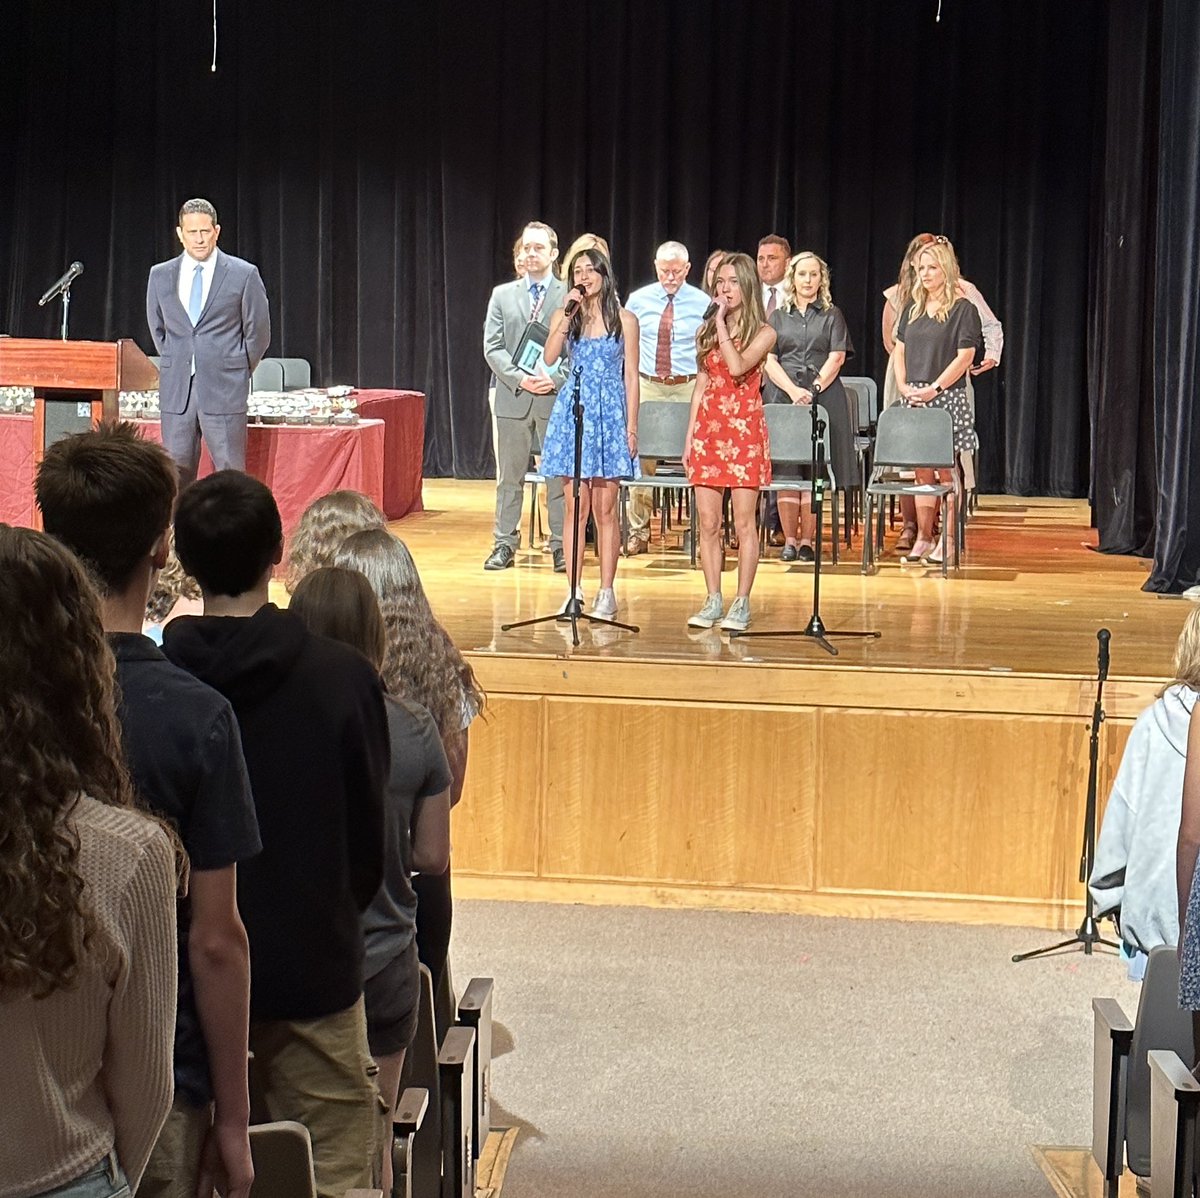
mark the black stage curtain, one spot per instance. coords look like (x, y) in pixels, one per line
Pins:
(1121, 334)
(1177, 305)
(376, 161)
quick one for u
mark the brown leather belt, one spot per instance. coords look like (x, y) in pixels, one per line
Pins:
(672, 380)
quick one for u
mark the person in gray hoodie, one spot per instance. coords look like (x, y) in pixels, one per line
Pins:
(1134, 873)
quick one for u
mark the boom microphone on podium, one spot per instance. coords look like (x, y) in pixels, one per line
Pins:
(63, 287)
(72, 273)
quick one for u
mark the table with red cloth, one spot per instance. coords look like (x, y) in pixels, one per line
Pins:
(298, 463)
(403, 415)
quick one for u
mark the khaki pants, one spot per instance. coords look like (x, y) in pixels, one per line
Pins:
(174, 1167)
(320, 1073)
(641, 499)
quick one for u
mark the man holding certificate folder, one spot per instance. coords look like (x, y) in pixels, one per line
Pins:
(513, 335)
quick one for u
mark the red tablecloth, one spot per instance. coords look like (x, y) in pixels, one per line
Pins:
(403, 415)
(297, 462)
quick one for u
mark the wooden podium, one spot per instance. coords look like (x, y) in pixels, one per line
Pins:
(75, 383)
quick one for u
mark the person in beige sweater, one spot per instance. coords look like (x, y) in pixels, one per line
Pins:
(87, 899)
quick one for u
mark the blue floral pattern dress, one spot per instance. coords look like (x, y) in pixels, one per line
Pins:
(605, 452)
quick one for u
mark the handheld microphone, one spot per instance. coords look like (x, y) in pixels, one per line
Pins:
(1103, 636)
(572, 303)
(711, 310)
(73, 272)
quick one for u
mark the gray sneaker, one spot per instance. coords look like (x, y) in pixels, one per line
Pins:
(738, 619)
(709, 614)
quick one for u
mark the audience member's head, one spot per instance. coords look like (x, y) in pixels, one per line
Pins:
(710, 270)
(228, 533)
(540, 243)
(590, 270)
(737, 288)
(326, 523)
(107, 495)
(671, 265)
(421, 662)
(1187, 651)
(804, 272)
(937, 279)
(60, 741)
(585, 241)
(907, 279)
(773, 254)
(339, 603)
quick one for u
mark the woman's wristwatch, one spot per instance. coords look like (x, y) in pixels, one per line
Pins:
(938, 388)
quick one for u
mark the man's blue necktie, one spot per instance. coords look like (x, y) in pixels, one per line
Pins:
(196, 298)
(537, 290)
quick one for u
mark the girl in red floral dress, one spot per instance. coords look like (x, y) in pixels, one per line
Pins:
(727, 445)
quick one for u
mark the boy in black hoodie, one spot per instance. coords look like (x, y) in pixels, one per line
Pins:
(314, 731)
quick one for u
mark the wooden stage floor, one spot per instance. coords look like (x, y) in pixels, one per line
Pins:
(938, 772)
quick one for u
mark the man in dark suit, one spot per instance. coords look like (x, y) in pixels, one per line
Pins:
(211, 323)
(523, 397)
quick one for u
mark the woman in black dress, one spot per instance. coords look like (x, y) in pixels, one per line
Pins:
(936, 340)
(812, 344)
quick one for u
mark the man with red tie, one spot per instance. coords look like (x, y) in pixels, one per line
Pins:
(669, 314)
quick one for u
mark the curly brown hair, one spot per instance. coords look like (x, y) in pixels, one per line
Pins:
(326, 523)
(59, 740)
(421, 663)
(172, 584)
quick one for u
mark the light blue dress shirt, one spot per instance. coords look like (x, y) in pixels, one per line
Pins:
(648, 304)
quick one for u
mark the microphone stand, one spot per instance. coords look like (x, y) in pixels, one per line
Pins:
(815, 628)
(66, 299)
(1088, 933)
(574, 608)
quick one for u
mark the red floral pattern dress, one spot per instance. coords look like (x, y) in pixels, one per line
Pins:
(729, 443)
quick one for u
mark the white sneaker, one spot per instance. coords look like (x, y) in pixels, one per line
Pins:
(709, 614)
(562, 611)
(605, 604)
(738, 619)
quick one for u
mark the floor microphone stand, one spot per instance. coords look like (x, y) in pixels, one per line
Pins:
(574, 608)
(1087, 935)
(815, 628)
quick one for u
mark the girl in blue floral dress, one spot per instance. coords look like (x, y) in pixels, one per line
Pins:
(600, 341)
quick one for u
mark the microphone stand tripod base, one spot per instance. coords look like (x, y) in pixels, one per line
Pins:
(815, 629)
(573, 610)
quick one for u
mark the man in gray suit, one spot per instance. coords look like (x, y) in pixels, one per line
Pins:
(523, 397)
(211, 323)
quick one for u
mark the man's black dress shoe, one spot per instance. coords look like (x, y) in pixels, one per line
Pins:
(500, 558)
(560, 562)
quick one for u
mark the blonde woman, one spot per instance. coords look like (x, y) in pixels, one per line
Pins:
(326, 523)
(727, 442)
(812, 344)
(898, 297)
(936, 339)
(585, 241)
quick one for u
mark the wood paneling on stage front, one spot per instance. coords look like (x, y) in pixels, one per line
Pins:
(944, 797)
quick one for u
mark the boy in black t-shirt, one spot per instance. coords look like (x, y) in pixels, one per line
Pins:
(108, 496)
(315, 735)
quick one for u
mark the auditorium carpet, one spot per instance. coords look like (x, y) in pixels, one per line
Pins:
(648, 1053)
